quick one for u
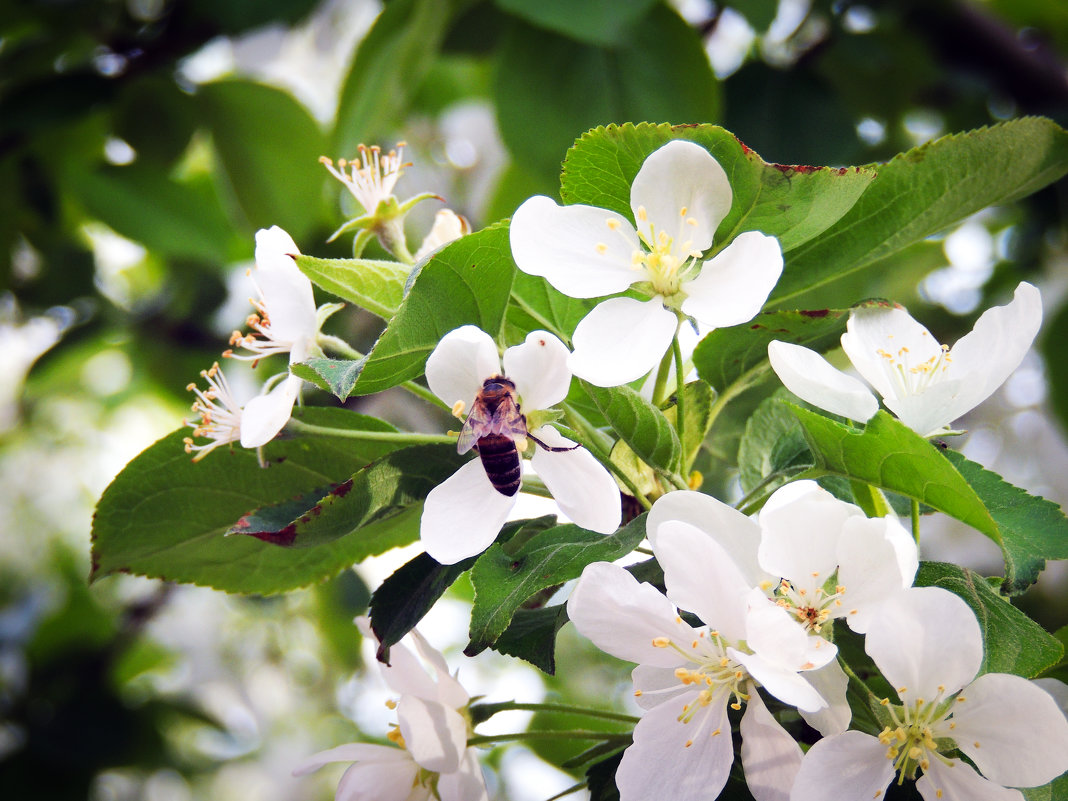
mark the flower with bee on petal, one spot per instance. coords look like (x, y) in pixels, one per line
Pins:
(462, 515)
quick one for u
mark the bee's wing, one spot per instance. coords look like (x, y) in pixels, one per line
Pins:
(478, 424)
(508, 420)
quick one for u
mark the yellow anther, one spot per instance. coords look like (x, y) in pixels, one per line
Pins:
(612, 223)
(715, 733)
(601, 248)
(661, 642)
(643, 215)
(391, 704)
(682, 211)
(688, 744)
(637, 693)
(458, 408)
(695, 480)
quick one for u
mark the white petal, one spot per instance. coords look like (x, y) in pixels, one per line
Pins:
(620, 340)
(449, 690)
(539, 370)
(574, 248)
(812, 378)
(878, 337)
(1056, 688)
(352, 752)
(926, 638)
(802, 525)
(930, 411)
(288, 301)
(682, 175)
(265, 415)
(656, 685)
(466, 784)
(702, 579)
(737, 534)
(622, 617)
(852, 765)
(459, 365)
(1012, 730)
(580, 485)
(877, 559)
(379, 781)
(660, 764)
(958, 781)
(831, 682)
(734, 285)
(777, 636)
(274, 249)
(406, 675)
(448, 226)
(770, 757)
(986, 357)
(786, 685)
(463, 515)
(434, 735)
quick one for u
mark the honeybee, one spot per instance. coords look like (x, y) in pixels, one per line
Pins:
(497, 430)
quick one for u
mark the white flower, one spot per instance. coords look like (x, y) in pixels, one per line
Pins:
(816, 557)
(929, 647)
(462, 515)
(448, 226)
(432, 760)
(686, 676)
(678, 198)
(218, 411)
(927, 385)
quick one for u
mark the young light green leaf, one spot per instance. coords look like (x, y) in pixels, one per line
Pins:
(505, 578)
(371, 284)
(333, 375)
(728, 355)
(773, 445)
(922, 191)
(698, 411)
(638, 423)
(793, 204)
(184, 510)
(1032, 528)
(1012, 642)
(268, 145)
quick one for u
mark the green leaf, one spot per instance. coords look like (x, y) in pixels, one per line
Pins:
(792, 203)
(1032, 528)
(531, 636)
(402, 600)
(638, 423)
(536, 305)
(658, 71)
(922, 191)
(600, 22)
(180, 220)
(698, 410)
(505, 578)
(377, 286)
(729, 355)
(387, 70)
(773, 445)
(383, 489)
(758, 13)
(269, 146)
(333, 375)
(1012, 642)
(468, 282)
(166, 517)
(888, 454)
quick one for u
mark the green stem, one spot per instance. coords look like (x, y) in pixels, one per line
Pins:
(660, 386)
(740, 385)
(577, 422)
(680, 393)
(565, 708)
(574, 734)
(379, 436)
(916, 520)
(574, 788)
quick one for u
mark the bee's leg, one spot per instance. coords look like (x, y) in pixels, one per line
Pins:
(550, 447)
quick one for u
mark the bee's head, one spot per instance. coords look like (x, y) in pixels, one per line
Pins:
(498, 385)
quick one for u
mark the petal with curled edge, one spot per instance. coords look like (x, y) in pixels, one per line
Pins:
(265, 415)
(734, 285)
(621, 339)
(812, 378)
(622, 617)
(583, 251)
(538, 368)
(463, 515)
(467, 783)
(580, 485)
(684, 192)
(435, 735)
(459, 365)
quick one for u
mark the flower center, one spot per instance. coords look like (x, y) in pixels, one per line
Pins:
(665, 261)
(370, 178)
(711, 669)
(912, 740)
(913, 379)
(811, 608)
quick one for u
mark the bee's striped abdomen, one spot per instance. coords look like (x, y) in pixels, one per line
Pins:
(500, 458)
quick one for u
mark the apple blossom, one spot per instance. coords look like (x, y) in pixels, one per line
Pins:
(927, 385)
(929, 647)
(218, 411)
(678, 199)
(431, 760)
(687, 675)
(462, 515)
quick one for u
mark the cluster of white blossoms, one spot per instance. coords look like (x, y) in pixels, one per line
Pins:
(429, 758)
(763, 592)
